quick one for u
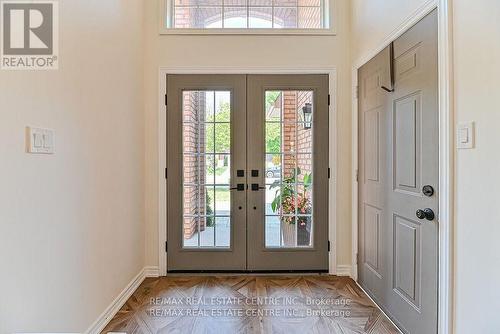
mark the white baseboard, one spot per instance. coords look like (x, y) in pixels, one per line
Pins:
(152, 271)
(344, 270)
(120, 300)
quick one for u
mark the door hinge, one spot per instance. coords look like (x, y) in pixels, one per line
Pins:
(357, 92)
(166, 100)
(328, 246)
(329, 173)
(357, 175)
(357, 258)
(166, 173)
(329, 100)
(166, 246)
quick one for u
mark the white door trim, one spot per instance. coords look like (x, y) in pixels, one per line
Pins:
(162, 149)
(446, 152)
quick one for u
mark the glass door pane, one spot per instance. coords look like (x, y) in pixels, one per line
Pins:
(206, 169)
(289, 168)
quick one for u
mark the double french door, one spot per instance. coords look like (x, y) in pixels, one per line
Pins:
(247, 164)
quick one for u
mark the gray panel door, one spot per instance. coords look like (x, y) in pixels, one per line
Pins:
(206, 147)
(372, 179)
(398, 179)
(288, 172)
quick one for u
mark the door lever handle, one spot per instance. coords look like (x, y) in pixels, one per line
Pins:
(426, 214)
(256, 187)
(239, 187)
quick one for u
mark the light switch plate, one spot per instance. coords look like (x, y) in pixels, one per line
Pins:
(40, 141)
(466, 135)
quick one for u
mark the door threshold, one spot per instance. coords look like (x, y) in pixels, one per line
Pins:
(249, 272)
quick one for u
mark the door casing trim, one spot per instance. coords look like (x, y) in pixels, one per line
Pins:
(446, 151)
(162, 135)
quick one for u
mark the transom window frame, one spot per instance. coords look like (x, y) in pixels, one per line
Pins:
(166, 9)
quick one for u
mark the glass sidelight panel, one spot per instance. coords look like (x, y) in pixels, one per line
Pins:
(289, 168)
(206, 169)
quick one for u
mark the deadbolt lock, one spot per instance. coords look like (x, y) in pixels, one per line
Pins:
(428, 190)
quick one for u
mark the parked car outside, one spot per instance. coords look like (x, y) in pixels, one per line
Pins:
(273, 172)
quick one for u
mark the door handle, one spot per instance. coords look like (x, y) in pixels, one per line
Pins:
(239, 187)
(426, 214)
(256, 187)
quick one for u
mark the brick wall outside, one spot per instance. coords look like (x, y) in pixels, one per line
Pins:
(289, 131)
(304, 136)
(194, 166)
(192, 17)
(295, 137)
(183, 18)
(308, 17)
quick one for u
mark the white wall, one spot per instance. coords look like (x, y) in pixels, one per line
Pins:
(71, 224)
(477, 231)
(247, 52)
(372, 21)
(477, 222)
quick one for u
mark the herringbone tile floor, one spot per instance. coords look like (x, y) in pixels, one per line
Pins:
(249, 304)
